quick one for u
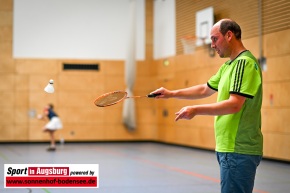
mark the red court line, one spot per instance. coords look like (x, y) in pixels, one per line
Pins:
(201, 176)
(174, 169)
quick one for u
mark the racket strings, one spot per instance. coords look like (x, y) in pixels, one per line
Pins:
(110, 99)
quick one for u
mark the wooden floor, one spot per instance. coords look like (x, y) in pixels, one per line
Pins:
(135, 167)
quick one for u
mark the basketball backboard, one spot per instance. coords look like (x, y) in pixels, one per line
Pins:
(204, 22)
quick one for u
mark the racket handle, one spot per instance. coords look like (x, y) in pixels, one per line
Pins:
(153, 95)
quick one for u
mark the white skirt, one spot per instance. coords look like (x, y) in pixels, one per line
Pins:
(54, 124)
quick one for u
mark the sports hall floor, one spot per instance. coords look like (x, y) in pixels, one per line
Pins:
(139, 167)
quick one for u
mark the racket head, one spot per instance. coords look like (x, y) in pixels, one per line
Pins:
(110, 98)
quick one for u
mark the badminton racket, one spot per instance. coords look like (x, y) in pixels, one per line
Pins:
(115, 97)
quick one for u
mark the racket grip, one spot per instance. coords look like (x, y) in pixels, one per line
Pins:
(153, 95)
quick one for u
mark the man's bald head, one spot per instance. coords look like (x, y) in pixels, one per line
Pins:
(226, 25)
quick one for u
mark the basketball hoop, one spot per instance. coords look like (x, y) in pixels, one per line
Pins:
(189, 44)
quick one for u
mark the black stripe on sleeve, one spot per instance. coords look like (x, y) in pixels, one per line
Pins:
(239, 75)
(236, 74)
(242, 94)
(211, 87)
(243, 63)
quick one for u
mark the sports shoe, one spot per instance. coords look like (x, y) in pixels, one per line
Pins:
(51, 149)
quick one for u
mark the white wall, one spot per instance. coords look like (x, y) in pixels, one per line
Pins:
(164, 29)
(76, 29)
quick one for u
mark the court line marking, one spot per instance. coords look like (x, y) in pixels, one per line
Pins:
(45, 190)
(166, 167)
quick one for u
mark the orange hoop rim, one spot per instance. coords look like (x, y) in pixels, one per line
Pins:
(188, 37)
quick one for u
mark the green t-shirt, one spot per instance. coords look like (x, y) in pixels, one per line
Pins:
(239, 132)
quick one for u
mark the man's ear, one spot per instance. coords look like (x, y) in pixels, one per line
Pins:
(229, 35)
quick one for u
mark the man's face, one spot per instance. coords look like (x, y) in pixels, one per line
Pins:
(219, 42)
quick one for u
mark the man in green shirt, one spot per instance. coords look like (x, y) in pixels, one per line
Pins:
(239, 141)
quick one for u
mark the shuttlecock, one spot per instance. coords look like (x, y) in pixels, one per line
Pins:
(49, 88)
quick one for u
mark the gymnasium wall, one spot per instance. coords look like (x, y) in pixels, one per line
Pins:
(197, 68)
(22, 96)
(23, 80)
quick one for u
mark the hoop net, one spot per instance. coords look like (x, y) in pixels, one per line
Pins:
(189, 44)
